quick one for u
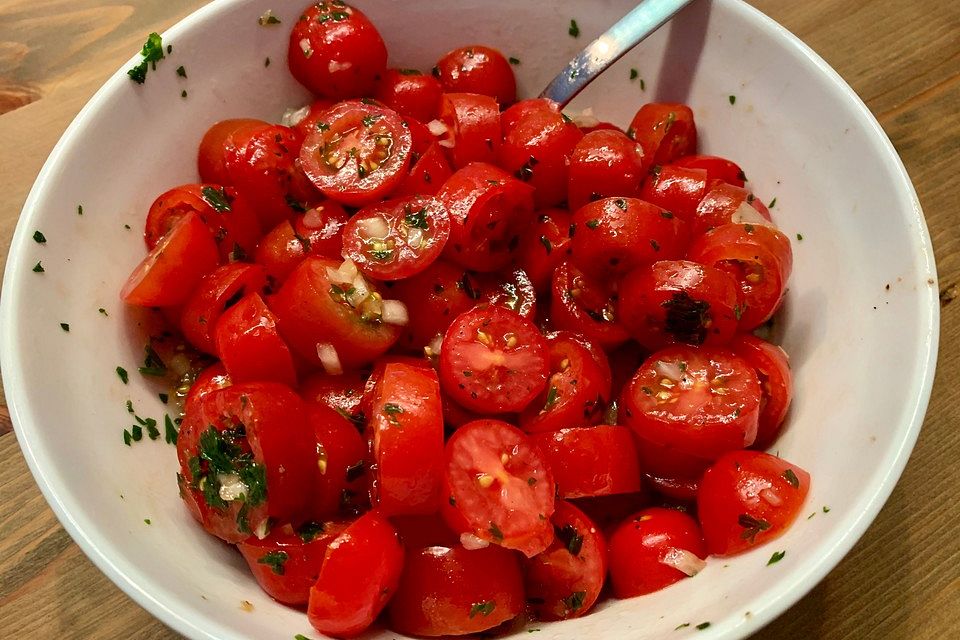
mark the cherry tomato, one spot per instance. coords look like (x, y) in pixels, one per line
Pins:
(671, 472)
(410, 93)
(591, 461)
(360, 573)
(776, 384)
(473, 127)
(724, 204)
(341, 478)
(210, 379)
(565, 580)
(493, 360)
(717, 168)
(760, 260)
(245, 456)
(361, 155)
(335, 51)
(605, 163)
(370, 391)
(616, 235)
(748, 498)
(424, 531)
(545, 246)
(584, 305)
(314, 116)
(665, 131)
(427, 174)
(174, 267)
(448, 590)
(317, 232)
(342, 393)
(677, 189)
(537, 145)
(653, 549)
(216, 144)
(679, 301)
(477, 69)
(511, 290)
(218, 291)
(498, 487)
(578, 387)
(249, 345)
(702, 401)
(609, 511)
(287, 562)
(405, 429)
(313, 311)
(397, 238)
(489, 211)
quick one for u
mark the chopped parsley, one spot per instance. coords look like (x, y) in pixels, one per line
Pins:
(153, 365)
(545, 241)
(799, 236)
(574, 29)
(634, 74)
(496, 532)
(103, 312)
(593, 224)
(300, 636)
(170, 432)
(574, 602)
(355, 471)
(409, 72)
(621, 204)
(571, 539)
(702, 626)
(39, 238)
(221, 453)
(181, 71)
(146, 521)
(369, 120)
(826, 509)
(772, 204)
(776, 557)
(308, 531)
(38, 268)
(216, 198)
(79, 209)
(681, 626)
(266, 62)
(124, 376)
(268, 18)
(643, 85)
(275, 560)
(482, 608)
(65, 327)
(392, 410)
(126, 437)
(514, 61)
(552, 396)
(151, 52)
(791, 477)
(751, 527)
(732, 99)
(416, 220)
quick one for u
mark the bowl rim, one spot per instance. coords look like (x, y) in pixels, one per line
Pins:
(803, 581)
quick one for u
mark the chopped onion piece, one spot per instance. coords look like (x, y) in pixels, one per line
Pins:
(374, 227)
(360, 291)
(180, 365)
(329, 358)
(415, 237)
(263, 529)
(312, 219)
(306, 48)
(432, 350)
(670, 370)
(395, 312)
(771, 498)
(349, 270)
(748, 215)
(585, 118)
(231, 486)
(471, 542)
(446, 144)
(437, 127)
(683, 560)
(292, 117)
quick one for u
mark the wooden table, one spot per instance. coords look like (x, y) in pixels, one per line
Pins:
(903, 58)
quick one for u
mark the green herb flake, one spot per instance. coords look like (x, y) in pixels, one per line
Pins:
(553, 394)
(164, 398)
(79, 209)
(170, 432)
(369, 120)
(776, 557)
(65, 327)
(574, 29)
(147, 521)
(667, 215)
(514, 61)
(545, 241)
(103, 312)
(681, 626)
(826, 509)
(266, 62)
(39, 238)
(130, 406)
(392, 410)
(643, 85)
(127, 227)
(275, 560)
(495, 532)
(772, 204)
(570, 537)
(355, 471)
(732, 99)
(482, 608)
(751, 527)
(702, 626)
(417, 220)
(791, 477)
(300, 636)
(216, 198)
(136, 433)
(152, 51)
(409, 72)
(592, 224)
(124, 376)
(126, 437)
(268, 18)
(38, 268)
(574, 602)
(308, 531)
(634, 74)
(181, 71)
(799, 236)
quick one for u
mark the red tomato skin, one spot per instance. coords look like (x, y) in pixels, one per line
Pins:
(360, 573)
(614, 236)
(554, 577)
(249, 345)
(477, 69)
(410, 93)
(370, 390)
(210, 379)
(679, 301)
(343, 54)
(489, 212)
(545, 246)
(776, 384)
(427, 174)
(748, 498)
(342, 393)
(717, 168)
(609, 511)
(468, 507)
(537, 145)
(666, 131)
(317, 109)
(672, 473)
(300, 566)
(473, 123)
(405, 431)
(591, 461)
(174, 267)
(308, 315)
(340, 451)
(216, 144)
(638, 546)
(676, 189)
(724, 204)
(316, 232)
(605, 163)
(208, 301)
(584, 305)
(511, 290)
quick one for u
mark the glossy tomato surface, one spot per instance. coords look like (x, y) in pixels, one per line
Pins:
(591, 461)
(477, 69)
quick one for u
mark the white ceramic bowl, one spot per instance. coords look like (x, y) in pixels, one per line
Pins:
(863, 355)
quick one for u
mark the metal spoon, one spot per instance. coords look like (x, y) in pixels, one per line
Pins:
(628, 32)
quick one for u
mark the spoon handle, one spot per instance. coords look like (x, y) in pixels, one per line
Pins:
(644, 19)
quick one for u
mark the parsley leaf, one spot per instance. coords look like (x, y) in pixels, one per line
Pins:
(571, 539)
(216, 198)
(39, 238)
(751, 527)
(152, 51)
(574, 29)
(791, 477)
(776, 557)
(275, 560)
(124, 376)
(482, 608)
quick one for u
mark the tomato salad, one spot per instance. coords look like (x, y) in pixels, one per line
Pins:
(471, 361)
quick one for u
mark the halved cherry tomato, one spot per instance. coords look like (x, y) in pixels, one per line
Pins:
(565, 580)
(210, 379)
(679, 301)
(449, 590)
(717, 168)
(405, 430)
(748, 498)
(174, 267)
(724, 204)
(702, 401)
(473, 127)
(216, 145)
(342, 393)
(477, 69)
(370, 390)
(580, 303)
(397, 238)
(776, 384)
(760, 260)
(665, 131)
(245, 457)
(489, 211)
(360, 573)
(511, 290)
(317, 232)
(341, 478)
(361, 155)
(335, 51)
(313, 310)
(218, 291)
(577, 390)
(410, 93)
(249, 345)
(287, 562)
(545, 246)
(591, 461)
(493, 360)
(676, 189)
(537, 145)
(671, 472)
(605, 163)
(616, 235)
(653, 549)
(316, 110)
(427, 174)
(498, 487)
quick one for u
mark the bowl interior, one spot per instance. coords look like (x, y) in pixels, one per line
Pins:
(862, 352)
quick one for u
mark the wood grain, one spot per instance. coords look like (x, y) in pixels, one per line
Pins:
(903, 58)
